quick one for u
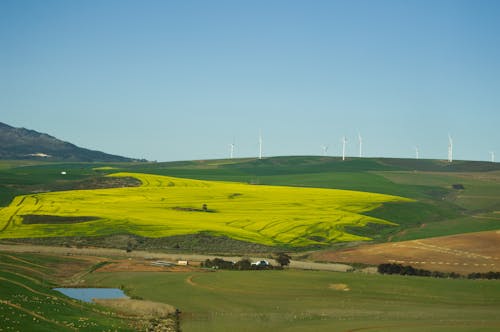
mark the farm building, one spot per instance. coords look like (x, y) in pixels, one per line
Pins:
(261, 263)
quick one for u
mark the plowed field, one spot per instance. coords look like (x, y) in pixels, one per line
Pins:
(464, 253)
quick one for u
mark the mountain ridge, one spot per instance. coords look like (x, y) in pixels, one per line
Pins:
(22, 143)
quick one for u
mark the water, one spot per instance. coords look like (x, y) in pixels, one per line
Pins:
(87, 294)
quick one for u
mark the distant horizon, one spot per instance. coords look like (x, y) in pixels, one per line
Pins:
(348, 158)
(257, 154)
(183, 80)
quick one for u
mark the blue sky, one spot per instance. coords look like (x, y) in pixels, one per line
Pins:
(179, 80)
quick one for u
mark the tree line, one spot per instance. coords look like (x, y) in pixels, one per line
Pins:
(243, 264)
(393, 268)
(283, 260)
(486, 275)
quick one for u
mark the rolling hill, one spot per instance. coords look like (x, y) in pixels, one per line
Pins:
(22, 144)
(166, 206)
(461, 197)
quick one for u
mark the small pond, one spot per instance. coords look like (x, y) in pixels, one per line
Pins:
(87, 294)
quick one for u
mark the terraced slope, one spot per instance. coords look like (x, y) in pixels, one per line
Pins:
(166, 206)
(27, 302)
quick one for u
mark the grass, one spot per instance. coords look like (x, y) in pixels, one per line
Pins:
(472, 209)
(428, 182)
(309, 301)
(449, 227)
(288, 300)
(167, 206)
(27, 302)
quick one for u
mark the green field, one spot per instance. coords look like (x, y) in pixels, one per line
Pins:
(27, 302)
(165, 206)
(443, 210)
(316, 301)
(288, 300)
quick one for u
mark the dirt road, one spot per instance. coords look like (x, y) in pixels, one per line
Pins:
(120, 254)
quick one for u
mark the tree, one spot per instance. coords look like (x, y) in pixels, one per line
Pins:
(130, 247)
(283, 259)
(243, 264)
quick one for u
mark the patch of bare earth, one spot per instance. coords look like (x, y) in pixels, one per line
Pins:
(339, 287)
(140, 308)
(70, 268)
(464, 253)
(132, 265)
(152, 316)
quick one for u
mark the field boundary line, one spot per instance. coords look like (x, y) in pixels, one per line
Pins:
(24, 276)
(26, 269)
(25, 261)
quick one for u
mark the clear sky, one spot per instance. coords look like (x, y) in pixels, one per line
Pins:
(179, 80)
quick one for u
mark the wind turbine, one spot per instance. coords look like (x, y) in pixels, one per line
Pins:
(492, 154)
(260, 145)
(231, 150)
(416, 153)
(450, 149)
(360, 140)
(344, 141)
(325, 149)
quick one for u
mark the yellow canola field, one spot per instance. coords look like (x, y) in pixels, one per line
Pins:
(167, 206)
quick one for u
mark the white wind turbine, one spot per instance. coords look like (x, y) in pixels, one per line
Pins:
(325, 149)
(492, 155)
(450, 149)
(231, 150)
(344, 141)
(416, 153)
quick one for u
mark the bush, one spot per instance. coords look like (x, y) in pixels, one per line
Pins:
(243, 264)
(283, 259)
(393, 268)
(488, 275)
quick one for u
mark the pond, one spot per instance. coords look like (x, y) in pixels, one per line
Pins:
(87, 294)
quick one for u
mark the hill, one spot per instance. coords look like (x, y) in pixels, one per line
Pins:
(443, 208)
(22, 144)
(289, 166)
(167, 206)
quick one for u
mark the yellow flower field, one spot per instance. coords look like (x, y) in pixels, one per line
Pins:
(166, 206)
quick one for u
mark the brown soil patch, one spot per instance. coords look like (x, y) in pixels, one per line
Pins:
(148, 309)
(132, 265)
(339, 287)
(75, 266)
(464, 253)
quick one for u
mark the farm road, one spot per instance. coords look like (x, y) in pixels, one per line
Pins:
(117, 253)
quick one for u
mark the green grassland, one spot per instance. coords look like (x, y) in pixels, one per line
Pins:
(288, 300)
(436, 205)
(166, 206)
(475, 208)
(28, 303)
(316, 301)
